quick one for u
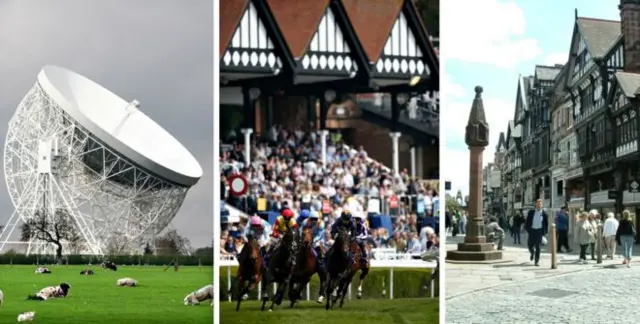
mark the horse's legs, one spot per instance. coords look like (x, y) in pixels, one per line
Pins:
(363, 275)
(266, 279)
(345, 287)
(240, 292)
(328, 290)
(292, 293)
(322, 273)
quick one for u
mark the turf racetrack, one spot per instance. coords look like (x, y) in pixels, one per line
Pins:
(379, 311)
(97, 299)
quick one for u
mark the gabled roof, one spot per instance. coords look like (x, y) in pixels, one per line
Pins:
(298, 20)
(372, 21)
(629, 83)
(547, 73)
(560, 81)
(599, 34)
(230, 15)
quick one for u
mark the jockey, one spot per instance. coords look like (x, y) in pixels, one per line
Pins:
(361, 237)
(317, 231)
(282, 224)
(259, 229)
(345, 221)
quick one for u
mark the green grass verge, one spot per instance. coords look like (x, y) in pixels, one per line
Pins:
(379, 311)
(97, 299)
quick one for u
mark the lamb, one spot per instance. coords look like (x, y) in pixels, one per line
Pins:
(60, 291)
(43, 270)
(127, 282)
(199, 295)
(26, 316)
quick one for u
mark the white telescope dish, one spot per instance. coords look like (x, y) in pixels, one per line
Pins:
(76, 147)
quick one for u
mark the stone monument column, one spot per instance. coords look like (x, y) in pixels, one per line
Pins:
(475, 247)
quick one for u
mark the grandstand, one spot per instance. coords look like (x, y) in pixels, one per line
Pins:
(309, 133)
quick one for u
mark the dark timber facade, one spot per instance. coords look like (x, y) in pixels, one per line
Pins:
(540, 96)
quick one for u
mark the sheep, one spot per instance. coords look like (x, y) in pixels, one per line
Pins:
(109, 265)
(1, 298)
(199, 295)
(87, 272)
(60, 291)
(26, 316)
(43, 270)
(127, 282)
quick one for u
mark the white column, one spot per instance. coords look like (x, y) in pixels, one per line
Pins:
(413, 161)
(395, 137)
(247, 145)
(323, 142)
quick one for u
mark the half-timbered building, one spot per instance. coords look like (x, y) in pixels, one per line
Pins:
(560, 108)
(524, 120)
(540, 95)
(588, 82)
(512, 169)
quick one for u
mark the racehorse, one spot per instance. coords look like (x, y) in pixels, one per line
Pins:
(306, 266)
(337, 264)
(281, 266)
(249, 270)
(355, 266)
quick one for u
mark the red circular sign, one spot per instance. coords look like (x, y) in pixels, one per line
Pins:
(238, 185)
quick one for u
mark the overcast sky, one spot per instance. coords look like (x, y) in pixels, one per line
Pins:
(158, 52)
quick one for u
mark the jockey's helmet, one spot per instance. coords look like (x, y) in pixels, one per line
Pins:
(313, 214)
(256, 221)
(287, 213)
(304, 213)
(346, 216)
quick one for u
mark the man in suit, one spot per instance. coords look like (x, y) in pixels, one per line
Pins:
(536, 224)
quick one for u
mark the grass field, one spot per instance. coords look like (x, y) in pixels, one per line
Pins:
(379, 311)
(97, 299)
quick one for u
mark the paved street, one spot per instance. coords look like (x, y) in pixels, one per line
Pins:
(518, 292)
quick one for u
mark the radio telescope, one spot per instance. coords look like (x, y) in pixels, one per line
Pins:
(73, 145)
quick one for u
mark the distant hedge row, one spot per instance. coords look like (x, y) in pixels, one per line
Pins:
(158, 260)
(408, 283)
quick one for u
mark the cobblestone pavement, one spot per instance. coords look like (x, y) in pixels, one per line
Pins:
(518, 292)
(590, 296)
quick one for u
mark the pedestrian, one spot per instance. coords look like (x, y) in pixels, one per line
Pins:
(518, 220)
(626, 236)
(463, 222)
(536, 225)
(592, 218)
(609, 230)
(562, 228)
(584, 234)
(495, 233)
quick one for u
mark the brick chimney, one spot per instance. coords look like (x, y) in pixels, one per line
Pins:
(630, 25)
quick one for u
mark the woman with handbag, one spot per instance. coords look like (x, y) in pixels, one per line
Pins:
(626, 236)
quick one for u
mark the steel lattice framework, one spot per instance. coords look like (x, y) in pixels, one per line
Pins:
(115, 204)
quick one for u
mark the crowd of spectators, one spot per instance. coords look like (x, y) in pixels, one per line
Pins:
(286, 171)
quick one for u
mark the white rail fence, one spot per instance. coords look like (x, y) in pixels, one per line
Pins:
(384, 258)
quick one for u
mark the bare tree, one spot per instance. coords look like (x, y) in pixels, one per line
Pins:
(55, 229)
(172, 243)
